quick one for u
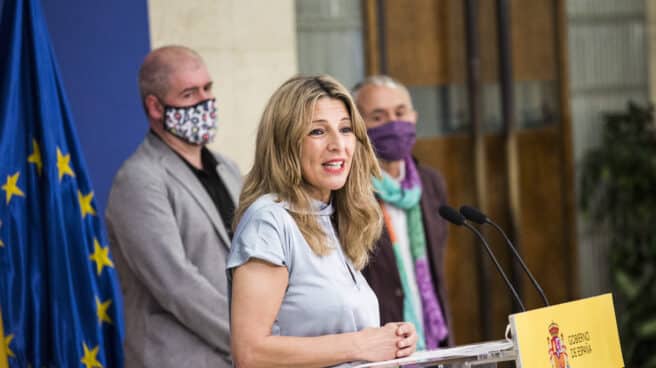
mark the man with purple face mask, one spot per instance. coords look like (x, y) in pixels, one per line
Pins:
(406, 271)
(169, 220)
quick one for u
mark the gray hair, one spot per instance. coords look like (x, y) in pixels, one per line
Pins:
(378, 80)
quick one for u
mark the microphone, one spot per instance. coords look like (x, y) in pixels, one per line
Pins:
(474, 215)
(456, 218)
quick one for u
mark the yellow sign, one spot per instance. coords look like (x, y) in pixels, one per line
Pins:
(579, 334)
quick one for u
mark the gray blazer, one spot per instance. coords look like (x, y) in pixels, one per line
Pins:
(169, 247)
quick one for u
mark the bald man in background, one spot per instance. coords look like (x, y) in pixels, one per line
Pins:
(168, 217)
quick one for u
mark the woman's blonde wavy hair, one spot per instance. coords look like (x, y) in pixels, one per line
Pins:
(284, 124)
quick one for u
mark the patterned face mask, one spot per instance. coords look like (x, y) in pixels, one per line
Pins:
(195, 124)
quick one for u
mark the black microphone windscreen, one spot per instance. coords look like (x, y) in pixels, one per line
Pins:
(451, 215)
(473, 214)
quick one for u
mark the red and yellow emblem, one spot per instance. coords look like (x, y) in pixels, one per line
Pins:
(557, 348)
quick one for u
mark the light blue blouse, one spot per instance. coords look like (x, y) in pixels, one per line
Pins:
(325, 294)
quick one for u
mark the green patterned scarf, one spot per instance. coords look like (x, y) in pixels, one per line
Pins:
(406, 196)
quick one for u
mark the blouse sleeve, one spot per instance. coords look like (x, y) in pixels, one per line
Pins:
(261, 235)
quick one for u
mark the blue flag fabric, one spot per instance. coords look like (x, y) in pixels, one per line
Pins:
(59, 294)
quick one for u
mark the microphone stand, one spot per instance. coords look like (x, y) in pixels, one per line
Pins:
(498, 266)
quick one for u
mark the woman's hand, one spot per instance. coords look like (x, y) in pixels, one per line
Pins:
(381, 343)
(408, 343)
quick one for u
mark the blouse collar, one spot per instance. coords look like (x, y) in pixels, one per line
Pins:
(316, 208)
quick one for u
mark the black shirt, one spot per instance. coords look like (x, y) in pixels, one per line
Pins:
(215, 187)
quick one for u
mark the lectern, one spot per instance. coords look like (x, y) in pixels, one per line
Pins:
(481, 355)
(578, 334)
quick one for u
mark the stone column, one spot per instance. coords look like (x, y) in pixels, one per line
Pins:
(650, 20)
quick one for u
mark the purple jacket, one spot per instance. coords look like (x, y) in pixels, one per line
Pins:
(382, 272)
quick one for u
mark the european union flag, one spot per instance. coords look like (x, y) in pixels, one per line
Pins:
(59, 294)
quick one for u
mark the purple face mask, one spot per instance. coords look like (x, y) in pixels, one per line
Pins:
(394, 140)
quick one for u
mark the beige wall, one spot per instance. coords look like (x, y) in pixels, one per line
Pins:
(250, 49)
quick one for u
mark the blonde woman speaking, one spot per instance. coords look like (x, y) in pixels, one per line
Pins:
(306, 223)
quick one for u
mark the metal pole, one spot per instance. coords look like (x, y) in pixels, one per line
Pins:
(509, 127)
(382, 40)
(473, 97)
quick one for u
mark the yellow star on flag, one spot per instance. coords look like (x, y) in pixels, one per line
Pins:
(35, 157)
(7, 343)
(89, 359)
(2, 244)
(85, 203)
(100, 255)
(101, 310)
(11, 188)
(64, 164)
